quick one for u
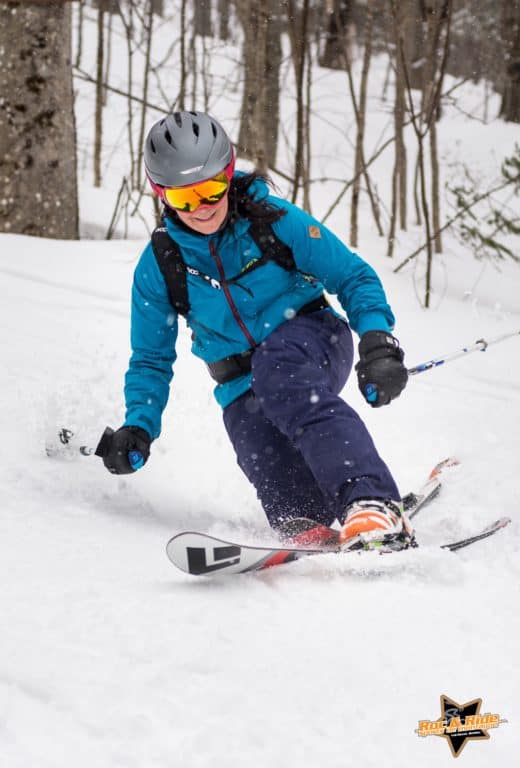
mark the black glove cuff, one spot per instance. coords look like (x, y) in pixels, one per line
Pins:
(140, 433)
(375, 345)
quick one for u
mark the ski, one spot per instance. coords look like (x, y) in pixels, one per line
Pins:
(489, 530)
(200, 554)
(413, 502)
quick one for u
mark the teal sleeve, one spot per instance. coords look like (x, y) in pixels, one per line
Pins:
(318, 252)
(154, 327)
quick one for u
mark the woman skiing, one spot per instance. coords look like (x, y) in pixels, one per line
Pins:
(248, 271)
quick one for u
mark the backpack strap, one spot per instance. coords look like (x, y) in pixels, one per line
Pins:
(173, 268)
(271, 247)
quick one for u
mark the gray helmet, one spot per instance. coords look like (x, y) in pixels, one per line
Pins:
(185, 148)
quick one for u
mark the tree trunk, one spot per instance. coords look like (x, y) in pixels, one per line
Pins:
(37, 131)
(184, 71)
(146, 80)
(435, 182)
(439, 15)
(414, 40)
(258, 133)
(359, 162)
(108, 59)
(298, 25)
(337, 38)
(273, 62)
(202, 18)
(307, 129)
(399, 118)
(223, 19)
(510, 107)
(128, 24)
(79, 34)
(98, 114)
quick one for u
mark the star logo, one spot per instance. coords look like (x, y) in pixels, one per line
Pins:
(460, 723)
(455, 716)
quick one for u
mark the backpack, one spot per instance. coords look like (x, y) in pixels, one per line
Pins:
(174, 269)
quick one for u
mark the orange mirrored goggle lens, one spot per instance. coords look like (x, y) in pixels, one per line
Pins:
(188, 199)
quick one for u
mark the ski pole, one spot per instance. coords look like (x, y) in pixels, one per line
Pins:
(479, 346)
(135, 458)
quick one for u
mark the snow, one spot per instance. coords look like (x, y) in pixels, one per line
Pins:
(111, 657)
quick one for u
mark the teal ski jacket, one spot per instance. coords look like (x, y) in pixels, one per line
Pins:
(225, 317)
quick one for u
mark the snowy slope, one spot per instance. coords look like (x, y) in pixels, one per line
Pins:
(108, 656)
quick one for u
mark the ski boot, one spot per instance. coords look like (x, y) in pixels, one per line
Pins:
(376, 524)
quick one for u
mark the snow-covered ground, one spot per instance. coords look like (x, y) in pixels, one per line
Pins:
(110, 657)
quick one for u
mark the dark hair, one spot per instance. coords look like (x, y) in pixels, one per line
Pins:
(242, 203)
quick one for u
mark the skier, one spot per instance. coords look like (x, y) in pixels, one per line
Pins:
(248, 271)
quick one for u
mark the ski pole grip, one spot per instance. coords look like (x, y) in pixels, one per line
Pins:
(104, 443)
(135, 458)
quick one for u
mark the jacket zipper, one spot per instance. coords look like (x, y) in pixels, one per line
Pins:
(232, 305)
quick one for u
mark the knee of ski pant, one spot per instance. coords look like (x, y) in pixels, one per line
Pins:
(304, 355)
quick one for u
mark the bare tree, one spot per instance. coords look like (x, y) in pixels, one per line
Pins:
(202, 18)
(414, 38)
(184, 71)
(298, 27)
(510, 107)
(360, 112)
(400, 23)
(128, 24)
(223, 18)
(339, 23)
(148, 31)
(79, 33)
(108, 57)
(258, 133)
(438, 25)
(37, 132)
(439, 14)
(98, 114)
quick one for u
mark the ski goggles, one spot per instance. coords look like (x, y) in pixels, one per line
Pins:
(188, 199)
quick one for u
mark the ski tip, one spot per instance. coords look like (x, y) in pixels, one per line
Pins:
(501, 522)
(451, 461)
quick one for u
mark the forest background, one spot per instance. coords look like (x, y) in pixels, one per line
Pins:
(236, 58)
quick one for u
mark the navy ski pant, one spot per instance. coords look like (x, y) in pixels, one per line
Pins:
(305, 450)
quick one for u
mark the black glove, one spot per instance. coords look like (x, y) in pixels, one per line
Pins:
(125, 450)
(382, 375)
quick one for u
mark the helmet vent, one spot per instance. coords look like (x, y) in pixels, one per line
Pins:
(186, 146)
